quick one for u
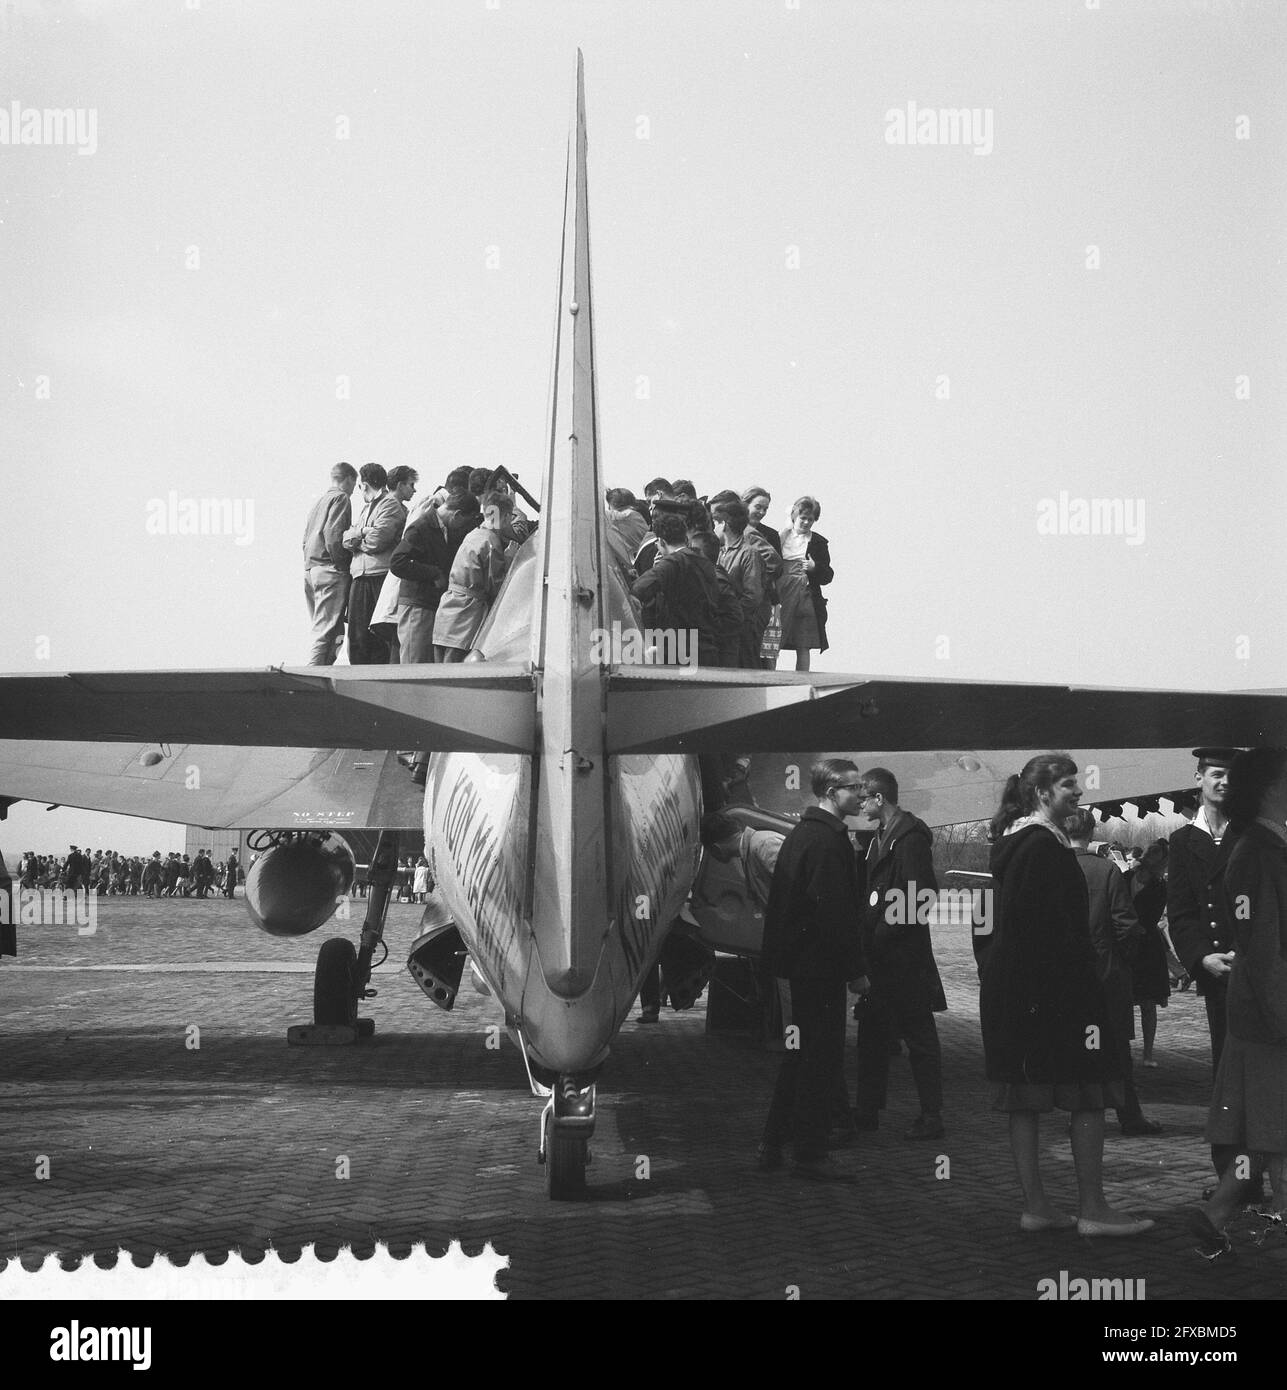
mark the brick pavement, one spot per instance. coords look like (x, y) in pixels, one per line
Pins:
(154, 1146)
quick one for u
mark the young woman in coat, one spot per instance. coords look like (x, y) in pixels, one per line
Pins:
(1041, 1004)
(806, 567)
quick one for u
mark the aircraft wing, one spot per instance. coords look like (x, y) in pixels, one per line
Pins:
(282, 748)
(217, 786)
(666, 710)
(473, 706)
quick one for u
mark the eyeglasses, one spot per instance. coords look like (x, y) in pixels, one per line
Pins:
(847, 787)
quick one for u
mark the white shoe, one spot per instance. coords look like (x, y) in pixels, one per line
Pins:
(1030, 1222)
(1087, 1227)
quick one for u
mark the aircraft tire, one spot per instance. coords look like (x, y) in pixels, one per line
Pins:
(565, 1161)
(334, 995)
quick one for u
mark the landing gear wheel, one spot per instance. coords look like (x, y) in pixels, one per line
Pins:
(334, 988)
(565, 1161)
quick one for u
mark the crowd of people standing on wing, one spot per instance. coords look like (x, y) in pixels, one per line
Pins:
(108, 873)
(1056, 990)
(711, 565)
(414, 581)
(409, 581)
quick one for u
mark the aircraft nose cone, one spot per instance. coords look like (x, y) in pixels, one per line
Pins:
(569, 1017)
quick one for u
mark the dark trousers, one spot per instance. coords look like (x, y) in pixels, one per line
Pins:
(1217, 1019)
(749, 649)
(365, 648)
(1129, 1112)
(811, 1073)
(883, 1017)
(1217, 1025)
(650, 990)
(1222, 1155)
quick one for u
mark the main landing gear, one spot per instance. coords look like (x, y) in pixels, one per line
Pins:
(566, 1126)
(342, 978)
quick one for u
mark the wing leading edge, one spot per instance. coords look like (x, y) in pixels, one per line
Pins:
(664, 710)
(282, 748)
(474, 707)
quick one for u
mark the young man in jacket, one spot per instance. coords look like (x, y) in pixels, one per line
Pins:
(740, 559)
(728, 613)
(422, 561)
(678, 595)
(371, 541)
(1197, 913)
(811, 942)
(906, 991)
(326, 564)
(1201, 931)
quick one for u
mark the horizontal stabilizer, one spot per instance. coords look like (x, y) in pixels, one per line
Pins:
(472, 707)
(668, 710)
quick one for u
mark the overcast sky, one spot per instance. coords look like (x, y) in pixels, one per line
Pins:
(1079, 291)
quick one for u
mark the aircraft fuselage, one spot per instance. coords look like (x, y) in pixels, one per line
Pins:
(562, 945)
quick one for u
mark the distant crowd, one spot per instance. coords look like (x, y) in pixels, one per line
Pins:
(413, 581)
(108, 873)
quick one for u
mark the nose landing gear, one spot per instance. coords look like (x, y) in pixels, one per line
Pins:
(567, 1123)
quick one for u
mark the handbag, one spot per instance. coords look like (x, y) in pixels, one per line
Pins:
(771, 642)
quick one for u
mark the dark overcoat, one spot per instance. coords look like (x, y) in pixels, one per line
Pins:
(679, 593)
(811, 923)
(900, 867)
(1041, 1006)
(1255, 892)
(1115, 933)
(1196, 912)
(8, 930)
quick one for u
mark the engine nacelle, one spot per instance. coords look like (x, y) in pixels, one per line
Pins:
(295, 886)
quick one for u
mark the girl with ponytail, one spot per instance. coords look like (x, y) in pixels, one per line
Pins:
(1041, 1004)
